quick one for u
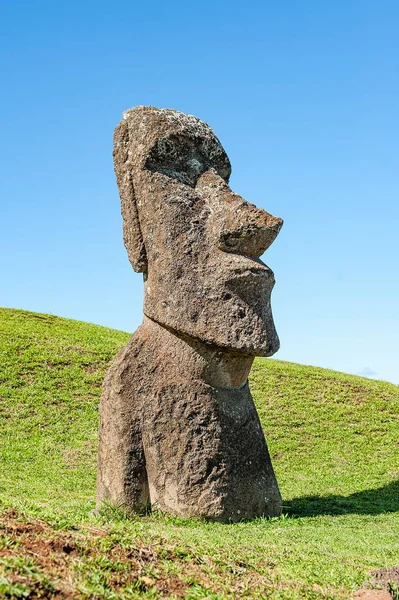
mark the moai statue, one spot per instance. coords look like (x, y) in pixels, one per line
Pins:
(178, 427)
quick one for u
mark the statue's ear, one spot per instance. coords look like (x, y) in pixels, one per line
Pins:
(132, 236)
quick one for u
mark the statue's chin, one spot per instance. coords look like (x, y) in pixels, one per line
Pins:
(248, 336)
(231, 310)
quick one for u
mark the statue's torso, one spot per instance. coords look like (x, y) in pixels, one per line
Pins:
(178, 443)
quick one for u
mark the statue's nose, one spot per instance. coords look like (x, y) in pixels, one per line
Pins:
(247, 229)
(243, 228)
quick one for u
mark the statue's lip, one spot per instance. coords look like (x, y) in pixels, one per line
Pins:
(242, 266)
(257, 271)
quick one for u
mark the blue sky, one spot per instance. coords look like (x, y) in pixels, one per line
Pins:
(303, 96)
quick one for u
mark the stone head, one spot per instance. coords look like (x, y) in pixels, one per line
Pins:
(197, 242)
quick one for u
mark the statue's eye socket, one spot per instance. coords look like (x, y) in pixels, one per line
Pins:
(177, 158)
(185, 158)
(182, 176)
(167, 149)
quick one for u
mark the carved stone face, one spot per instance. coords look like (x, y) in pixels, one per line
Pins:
(197, 243)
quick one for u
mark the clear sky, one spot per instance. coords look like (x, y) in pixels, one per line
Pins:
(304, 97)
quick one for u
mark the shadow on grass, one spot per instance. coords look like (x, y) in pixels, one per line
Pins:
(366, 502)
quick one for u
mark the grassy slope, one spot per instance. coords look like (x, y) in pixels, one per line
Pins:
(334, 442)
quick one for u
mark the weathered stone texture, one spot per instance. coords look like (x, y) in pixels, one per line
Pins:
(178, 427)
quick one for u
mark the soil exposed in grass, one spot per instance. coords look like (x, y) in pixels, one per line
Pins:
(40, 561)
(334, 444)
(37, 561)
(387, 578)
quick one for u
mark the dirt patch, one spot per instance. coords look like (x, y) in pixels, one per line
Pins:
(367, 594)
(38, 561)
(384, 585)
(388, 579)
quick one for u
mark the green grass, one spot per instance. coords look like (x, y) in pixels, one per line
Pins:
(334, 443)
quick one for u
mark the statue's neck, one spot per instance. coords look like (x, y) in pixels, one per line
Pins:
(183, 355)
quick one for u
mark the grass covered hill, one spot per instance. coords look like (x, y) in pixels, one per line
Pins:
(334, 443)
